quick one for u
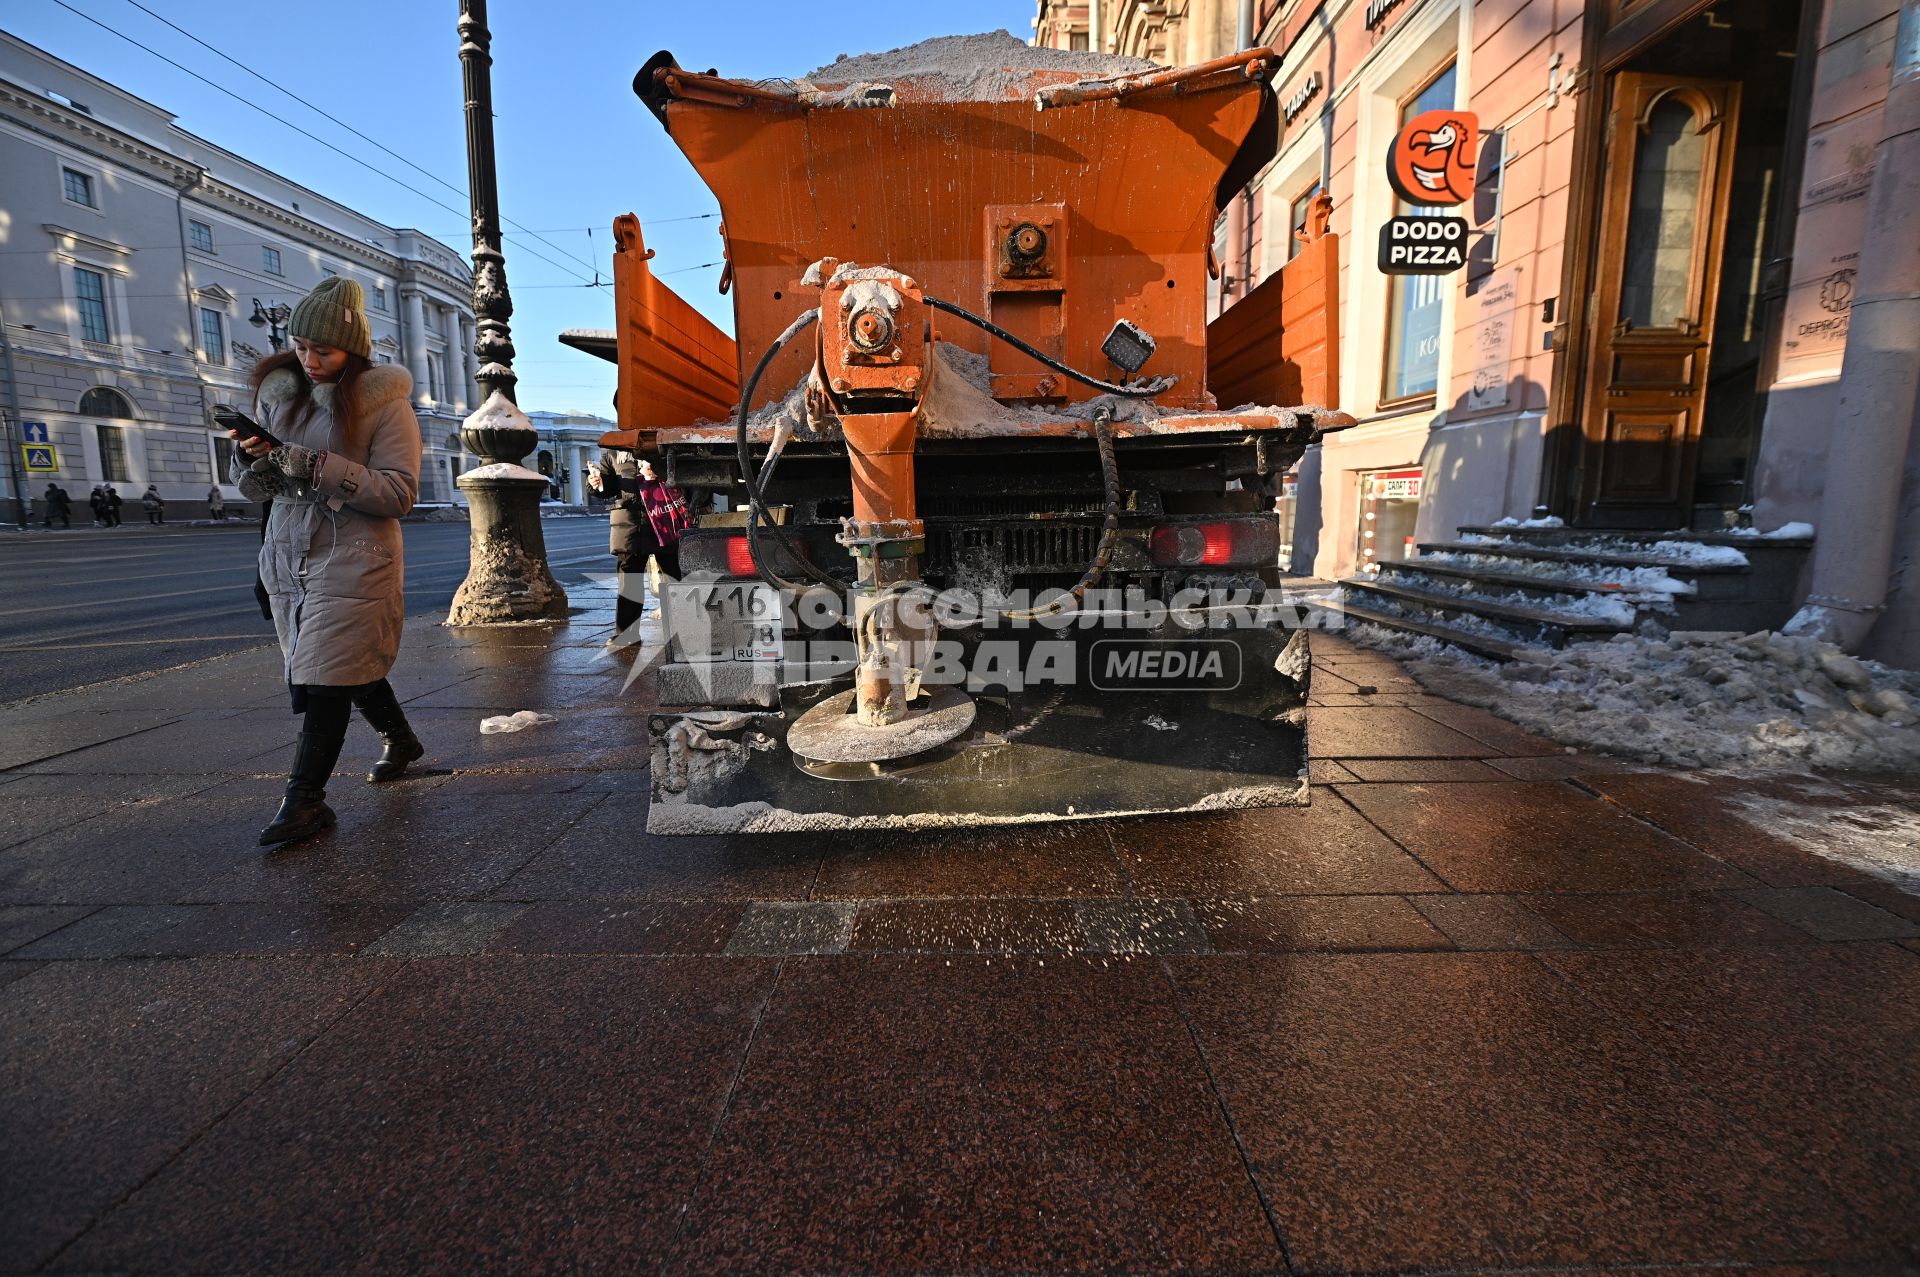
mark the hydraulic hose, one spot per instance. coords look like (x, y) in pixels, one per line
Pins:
(1103, 437)
(757, 505)
(1139, 390)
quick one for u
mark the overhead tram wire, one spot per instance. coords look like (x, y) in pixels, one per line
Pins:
(323, 113)
(213, 84)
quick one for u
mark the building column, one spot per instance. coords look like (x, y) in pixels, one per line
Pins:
(576, 487)
(450, 333)
(413, 339)
(469, 360)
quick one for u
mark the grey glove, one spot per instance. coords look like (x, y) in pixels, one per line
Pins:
(264, 481)
(295, 462)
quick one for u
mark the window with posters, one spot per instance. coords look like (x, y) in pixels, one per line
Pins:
(1414, 302)
(1389, 504)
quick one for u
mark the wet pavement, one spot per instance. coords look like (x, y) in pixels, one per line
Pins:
(1484, 1006)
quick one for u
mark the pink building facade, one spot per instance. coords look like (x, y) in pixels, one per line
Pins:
(1666, 229)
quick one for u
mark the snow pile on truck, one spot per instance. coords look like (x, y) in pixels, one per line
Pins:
(1763, 701)
(988, 67)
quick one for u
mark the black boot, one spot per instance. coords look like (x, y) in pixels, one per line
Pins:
(304, 811)
(381, 708)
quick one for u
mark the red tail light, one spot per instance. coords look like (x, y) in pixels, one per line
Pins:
(740, 558)
(1241, 543)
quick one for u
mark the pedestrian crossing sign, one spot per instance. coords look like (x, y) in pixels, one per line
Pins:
(41, 458)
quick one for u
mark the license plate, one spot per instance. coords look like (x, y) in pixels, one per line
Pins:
(725, 621)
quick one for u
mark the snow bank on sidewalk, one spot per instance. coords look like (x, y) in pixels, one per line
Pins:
(1762, 702)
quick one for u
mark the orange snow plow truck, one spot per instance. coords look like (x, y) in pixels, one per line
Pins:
(975, 540)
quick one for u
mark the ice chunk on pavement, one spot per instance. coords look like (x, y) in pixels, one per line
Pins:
(514, 722)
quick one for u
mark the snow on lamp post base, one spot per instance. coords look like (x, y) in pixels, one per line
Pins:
(507, 575)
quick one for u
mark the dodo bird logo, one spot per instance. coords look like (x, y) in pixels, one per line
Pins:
(1433, 158)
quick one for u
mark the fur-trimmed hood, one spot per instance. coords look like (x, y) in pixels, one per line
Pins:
(377, 387)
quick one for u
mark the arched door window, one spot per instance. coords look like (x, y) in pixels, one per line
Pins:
(102, 402)
(1671, 165)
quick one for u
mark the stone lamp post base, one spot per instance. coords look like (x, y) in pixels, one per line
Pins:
(507, 575)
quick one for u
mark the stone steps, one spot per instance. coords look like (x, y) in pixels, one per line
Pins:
(1534, 587)
(1536, 626)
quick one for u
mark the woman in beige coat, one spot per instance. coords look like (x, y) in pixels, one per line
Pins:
(346, 469)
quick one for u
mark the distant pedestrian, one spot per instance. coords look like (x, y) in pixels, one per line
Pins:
(59, 506)
(97, 501)
(217, 504)
(645, 522)
(156, 508)
(331, 562)
(111, 503)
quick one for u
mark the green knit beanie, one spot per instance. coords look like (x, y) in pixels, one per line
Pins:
(334, 314)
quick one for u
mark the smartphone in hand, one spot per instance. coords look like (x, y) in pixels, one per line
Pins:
(243, 425)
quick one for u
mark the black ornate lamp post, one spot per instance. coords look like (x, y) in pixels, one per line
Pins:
(274, 319)
(507, 574)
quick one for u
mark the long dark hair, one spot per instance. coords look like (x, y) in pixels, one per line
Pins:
(345, 391)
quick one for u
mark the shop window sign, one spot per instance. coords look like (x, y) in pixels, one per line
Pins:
(1397, 487)
(1389, 509)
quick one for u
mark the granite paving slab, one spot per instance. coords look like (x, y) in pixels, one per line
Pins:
(429, 848)
(35, 804)
(23, 924)
(1489, 922)
(1460, 1112)
(33, 738)
(1655, 920)
(1333, 923)
(1424, 771)
(1829, 914)
(1496, 734)
(262, 930)
(1534, 836)
(973, 1114)
(112, 1068)
(967, 926)
(508, 690)
(593, 739)
(445, 930)
(482, 1115)
(182, 845)
(190, 747)
(1073, 858)
(1387, 731)
(12, 970)
(1816, 1047)
(1140, 926)
(1325, 848)
(777, 928)
(113, 931)
(646, 927)
(610, 855)
(1712, 816)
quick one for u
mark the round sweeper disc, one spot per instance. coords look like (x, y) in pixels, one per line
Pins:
(831, 733)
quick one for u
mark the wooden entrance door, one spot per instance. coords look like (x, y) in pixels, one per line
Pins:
(1669, 162)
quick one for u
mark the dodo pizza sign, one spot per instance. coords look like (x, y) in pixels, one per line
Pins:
(1431, 164)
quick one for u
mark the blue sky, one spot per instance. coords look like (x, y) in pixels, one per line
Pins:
(575, 147)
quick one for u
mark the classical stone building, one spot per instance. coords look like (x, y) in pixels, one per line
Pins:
(1667, 233)
(569, 446)
(132, 256)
